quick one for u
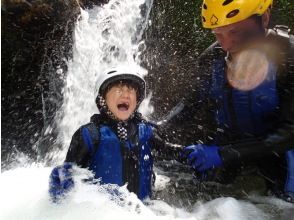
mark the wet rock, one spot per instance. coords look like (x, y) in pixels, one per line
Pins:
(36, 43)
(91, 3)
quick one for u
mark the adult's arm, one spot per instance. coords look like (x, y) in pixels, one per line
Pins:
(251, 151)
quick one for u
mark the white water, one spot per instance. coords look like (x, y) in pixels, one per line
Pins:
(24, 195)
(24, 188)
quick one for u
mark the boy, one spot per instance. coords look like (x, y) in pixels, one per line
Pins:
(116, 145)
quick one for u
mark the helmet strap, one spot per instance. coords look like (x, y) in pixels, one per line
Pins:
(103, 108)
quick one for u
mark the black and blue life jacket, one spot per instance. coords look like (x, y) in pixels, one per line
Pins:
(257, 111)
(109, 157)
(244, 111)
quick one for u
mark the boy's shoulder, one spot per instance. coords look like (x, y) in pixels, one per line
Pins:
(139, 119)
(95, 119)
(91, 129)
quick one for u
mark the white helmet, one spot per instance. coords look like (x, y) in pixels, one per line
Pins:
(116, 74)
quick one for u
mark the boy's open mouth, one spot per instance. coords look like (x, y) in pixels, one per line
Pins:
(123, 106)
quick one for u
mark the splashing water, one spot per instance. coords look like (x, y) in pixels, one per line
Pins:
(104, 37)
(24, 195)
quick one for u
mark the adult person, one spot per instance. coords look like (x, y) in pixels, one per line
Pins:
(241, 110)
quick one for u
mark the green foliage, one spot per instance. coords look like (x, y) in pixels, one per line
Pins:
(180, 22)
(283, 13)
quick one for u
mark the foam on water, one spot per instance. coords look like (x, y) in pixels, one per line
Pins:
(24, 195)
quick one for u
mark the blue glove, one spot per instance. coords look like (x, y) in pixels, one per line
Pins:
(202, 157)
(60, 181)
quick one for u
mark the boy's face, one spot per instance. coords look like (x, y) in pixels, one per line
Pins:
(121, 100)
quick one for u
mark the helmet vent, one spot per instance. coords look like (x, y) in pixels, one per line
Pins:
(226, 2)
(112, 72)
(205, 6)
(233, 13)
(203, 19)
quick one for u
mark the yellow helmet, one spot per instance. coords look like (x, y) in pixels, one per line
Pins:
(218, 13)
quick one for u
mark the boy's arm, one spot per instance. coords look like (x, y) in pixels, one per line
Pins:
(60, 180)
(78, 152)
(163, 149)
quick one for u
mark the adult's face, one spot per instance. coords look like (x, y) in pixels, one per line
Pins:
(235, 36)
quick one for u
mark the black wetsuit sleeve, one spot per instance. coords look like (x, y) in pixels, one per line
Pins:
(164, 150)
(251, 151)
(78, 152)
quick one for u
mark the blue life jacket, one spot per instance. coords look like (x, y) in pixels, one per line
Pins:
(289, 186)
(107, 160)
(248, 111)
(244, 111)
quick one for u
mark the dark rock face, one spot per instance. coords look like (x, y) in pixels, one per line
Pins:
(36, 42)
(91, 3)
